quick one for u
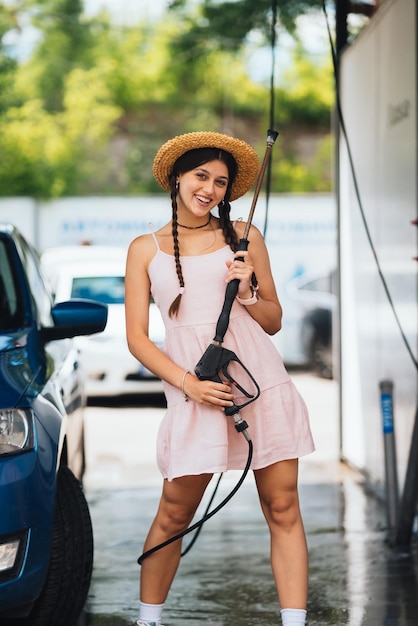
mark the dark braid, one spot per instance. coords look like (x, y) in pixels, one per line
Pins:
(230, 236)
(175, 305)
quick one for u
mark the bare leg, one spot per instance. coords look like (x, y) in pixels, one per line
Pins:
(179, 501)
(277, 488)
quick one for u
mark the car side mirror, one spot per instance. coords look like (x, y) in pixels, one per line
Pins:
(75, 317)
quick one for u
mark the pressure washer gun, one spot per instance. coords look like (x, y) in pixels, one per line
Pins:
(216, 360)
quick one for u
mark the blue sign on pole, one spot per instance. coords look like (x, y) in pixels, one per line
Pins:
(387, 413)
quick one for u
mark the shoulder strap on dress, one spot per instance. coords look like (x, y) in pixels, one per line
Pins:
(151, 227)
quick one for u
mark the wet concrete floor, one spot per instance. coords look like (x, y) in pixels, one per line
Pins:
(356, 577)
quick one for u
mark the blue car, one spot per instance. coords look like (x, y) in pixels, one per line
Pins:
(46, 539)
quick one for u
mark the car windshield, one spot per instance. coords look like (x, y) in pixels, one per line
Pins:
(11, 307)
(104, 289)
(323, 284)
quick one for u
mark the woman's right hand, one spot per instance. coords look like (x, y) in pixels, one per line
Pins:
(207, 392)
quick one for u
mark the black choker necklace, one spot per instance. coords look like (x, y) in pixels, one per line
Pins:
(195, 227)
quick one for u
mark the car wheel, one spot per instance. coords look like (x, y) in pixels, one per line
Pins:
(316, 338)
(68, 580)
(321, 357)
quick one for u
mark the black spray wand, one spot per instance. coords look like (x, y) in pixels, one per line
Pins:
(216, 358)
(232, 288)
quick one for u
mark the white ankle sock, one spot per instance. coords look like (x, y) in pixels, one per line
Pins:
(150, 612)
(293, 617)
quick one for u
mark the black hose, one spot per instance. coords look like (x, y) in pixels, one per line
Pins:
(207, 515)
(197, 533)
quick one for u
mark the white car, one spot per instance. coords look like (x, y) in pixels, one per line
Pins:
(312, 300)
(98, 273)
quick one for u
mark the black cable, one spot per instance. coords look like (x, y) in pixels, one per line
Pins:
(208, 515)
(197, 533)
(357, 191)
(272, 105)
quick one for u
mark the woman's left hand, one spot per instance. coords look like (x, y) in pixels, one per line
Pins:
(241, 270)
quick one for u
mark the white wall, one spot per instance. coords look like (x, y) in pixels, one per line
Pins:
(22, 213)
(378, 92)
(301, 236)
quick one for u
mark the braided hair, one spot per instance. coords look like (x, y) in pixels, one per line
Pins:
(189, 161)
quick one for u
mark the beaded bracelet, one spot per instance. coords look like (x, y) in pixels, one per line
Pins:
(186, 397)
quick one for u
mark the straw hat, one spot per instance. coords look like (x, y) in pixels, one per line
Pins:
(248, 164)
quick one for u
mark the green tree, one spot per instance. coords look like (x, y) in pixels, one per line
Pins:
(53, 154)
(233, 20)
(290, 173)
(89, 116)
(8, 22)
(305, 96)
(163, 92)
(64, 45)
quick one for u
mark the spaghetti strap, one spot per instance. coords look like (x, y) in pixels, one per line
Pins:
(151, 227)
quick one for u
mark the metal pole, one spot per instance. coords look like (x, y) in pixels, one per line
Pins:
(409, 501)
(392, 490)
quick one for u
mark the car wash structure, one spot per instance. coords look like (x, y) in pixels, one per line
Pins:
(377, 212)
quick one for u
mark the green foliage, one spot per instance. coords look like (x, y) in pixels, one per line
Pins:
(230, 22)
(306, 92)
(8, 18)
(136, 64)
(7, 71)
(65, 43)
(33, 154)
(8, 65)
(290, 174)
(53, 154)
(87, 111)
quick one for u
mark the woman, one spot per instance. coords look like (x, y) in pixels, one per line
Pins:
(185, 266)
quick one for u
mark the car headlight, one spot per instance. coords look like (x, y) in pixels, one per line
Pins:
(12, 554)
(16, 431)
(8, 554)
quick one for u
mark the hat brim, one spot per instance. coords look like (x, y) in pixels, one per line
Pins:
(248, 164)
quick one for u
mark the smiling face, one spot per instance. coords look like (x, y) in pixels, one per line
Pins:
(201, 189)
